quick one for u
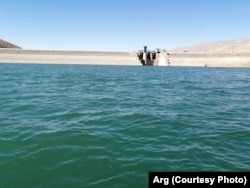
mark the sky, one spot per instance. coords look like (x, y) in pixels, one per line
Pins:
(121, 25)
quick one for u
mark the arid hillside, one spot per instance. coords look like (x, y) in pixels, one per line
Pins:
(232, 46)
(5, 44)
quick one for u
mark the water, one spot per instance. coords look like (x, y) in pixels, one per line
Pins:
(107, 126)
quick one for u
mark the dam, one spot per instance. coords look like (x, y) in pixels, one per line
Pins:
(134, 58)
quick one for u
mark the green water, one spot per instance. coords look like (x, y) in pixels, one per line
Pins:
(107, 126)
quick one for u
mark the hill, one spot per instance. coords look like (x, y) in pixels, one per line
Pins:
(5, 44)
(232, 46)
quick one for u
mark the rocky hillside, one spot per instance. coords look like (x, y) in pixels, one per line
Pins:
(232, 46)
(5, 44)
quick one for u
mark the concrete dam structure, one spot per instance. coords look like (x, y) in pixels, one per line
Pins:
(153, 57)
(147, 57)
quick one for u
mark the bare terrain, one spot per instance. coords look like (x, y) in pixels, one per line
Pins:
(5, 44)
(231, 46)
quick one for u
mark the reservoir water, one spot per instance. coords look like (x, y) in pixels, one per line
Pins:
(108, 126)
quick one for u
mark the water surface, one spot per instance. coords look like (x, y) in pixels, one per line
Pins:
(107, 126)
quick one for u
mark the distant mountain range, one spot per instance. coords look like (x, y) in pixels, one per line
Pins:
(231, 46)
(5, 44)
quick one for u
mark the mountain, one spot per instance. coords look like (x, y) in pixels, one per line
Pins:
(231, 46)
(5, 44)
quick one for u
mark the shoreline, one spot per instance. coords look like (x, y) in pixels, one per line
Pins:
(123, 58)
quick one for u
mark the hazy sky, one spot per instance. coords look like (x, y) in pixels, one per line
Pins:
(121, 25)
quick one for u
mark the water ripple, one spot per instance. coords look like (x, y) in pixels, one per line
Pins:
(107, 126)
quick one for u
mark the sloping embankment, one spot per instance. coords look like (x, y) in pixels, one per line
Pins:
(123, 58)
(208, 59)
(67, 57)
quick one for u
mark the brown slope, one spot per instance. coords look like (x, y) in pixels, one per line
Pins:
(232, 46)
(5, 44)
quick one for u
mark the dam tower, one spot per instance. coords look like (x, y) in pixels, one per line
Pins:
(147, 57)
